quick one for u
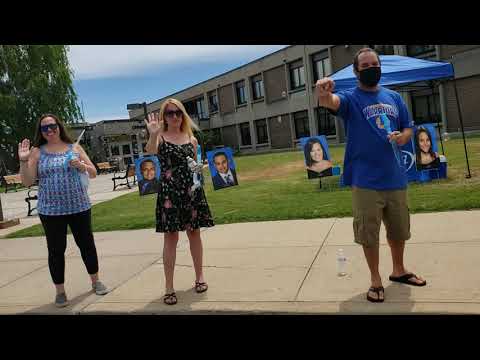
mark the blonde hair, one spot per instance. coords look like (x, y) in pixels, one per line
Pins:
(187, 122)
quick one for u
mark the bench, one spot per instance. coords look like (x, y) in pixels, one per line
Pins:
(12, 180)
(32, 195)
(105, 167)
(128, 173)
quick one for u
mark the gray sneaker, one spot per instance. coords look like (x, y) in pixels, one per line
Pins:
(99, 288)
(61, 300)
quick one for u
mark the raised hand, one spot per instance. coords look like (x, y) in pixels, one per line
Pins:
(24, 150)
(324, 86)
(154, 124)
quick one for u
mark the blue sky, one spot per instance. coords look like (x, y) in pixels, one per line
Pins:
(107, 78)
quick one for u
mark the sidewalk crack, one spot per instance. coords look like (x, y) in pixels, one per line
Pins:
(314, 259)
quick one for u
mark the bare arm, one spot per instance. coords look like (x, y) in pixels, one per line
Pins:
(326, 98)
(155, 129)
(28, 162)
(194, 141)
(84, 163)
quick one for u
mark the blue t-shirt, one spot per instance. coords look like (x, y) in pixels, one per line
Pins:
(370, 160)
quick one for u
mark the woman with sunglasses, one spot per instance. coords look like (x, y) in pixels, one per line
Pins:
(62, 199)
(179, 208)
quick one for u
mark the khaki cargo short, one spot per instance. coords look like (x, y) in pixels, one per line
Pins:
(370, 207)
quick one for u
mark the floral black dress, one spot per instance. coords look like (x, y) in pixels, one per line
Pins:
(178, 208)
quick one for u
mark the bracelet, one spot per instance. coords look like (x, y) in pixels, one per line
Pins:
(24, 160)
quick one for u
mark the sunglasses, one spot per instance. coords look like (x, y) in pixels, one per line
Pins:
(45, 128)
(170, 114)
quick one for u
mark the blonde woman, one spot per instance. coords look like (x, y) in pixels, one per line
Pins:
(178, 207)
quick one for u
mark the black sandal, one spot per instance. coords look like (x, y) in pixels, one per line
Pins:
(405, 279)
(200, 287)
(376, 290)
(170, 299)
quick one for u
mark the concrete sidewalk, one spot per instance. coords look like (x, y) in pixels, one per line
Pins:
(263, 267)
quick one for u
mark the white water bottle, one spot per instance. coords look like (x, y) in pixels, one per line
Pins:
(84, 179)
(341, 263)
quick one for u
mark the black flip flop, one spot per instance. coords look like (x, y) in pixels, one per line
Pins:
(167, 298)
(405, 279)
(377, 291)
(201, 287)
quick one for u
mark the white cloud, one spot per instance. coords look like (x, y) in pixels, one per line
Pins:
(106, 61)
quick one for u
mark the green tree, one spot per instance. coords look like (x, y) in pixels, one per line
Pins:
(208, 139)
(34, 79)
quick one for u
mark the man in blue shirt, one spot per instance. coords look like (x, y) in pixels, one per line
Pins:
(376, 123)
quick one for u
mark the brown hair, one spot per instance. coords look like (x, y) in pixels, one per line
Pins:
(40, 140)
(361, 51)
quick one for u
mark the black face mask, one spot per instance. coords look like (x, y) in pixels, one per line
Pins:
(370, 76)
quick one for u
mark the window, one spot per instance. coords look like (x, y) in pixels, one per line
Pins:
(240, 90)
(213, 101)
(426, 109)
(245, 134)
(416, 50)
(297, 75)
(196, 109)
(190, 108)
(134, 144)
(262, 133)
(201, 109)
(257, 87)
(115, 150)
(301, 124)
(126, 149)
(325, 122)
(321, 65)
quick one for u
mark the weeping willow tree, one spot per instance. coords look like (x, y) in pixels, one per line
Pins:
(34, 79)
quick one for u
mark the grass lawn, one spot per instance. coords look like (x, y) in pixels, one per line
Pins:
(10, 188)
(274, 187)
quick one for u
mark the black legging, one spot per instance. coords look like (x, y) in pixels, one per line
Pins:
(56, 231)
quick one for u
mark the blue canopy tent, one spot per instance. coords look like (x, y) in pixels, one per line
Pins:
(407, 73)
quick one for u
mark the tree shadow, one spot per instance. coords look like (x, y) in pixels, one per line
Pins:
(398, 301)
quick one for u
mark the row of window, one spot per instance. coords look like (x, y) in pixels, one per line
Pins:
(197, 109)
(325, 126)
(321, 65)
(260, 130)
(425, 109)
(321, 68)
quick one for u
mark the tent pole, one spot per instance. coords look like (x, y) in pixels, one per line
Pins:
(469, 175)
(438, 122)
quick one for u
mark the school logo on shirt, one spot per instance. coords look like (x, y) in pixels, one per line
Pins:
(379, 123)
(378, 114)
(380, 109)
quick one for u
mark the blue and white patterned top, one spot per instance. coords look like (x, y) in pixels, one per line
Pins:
(60, 191)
